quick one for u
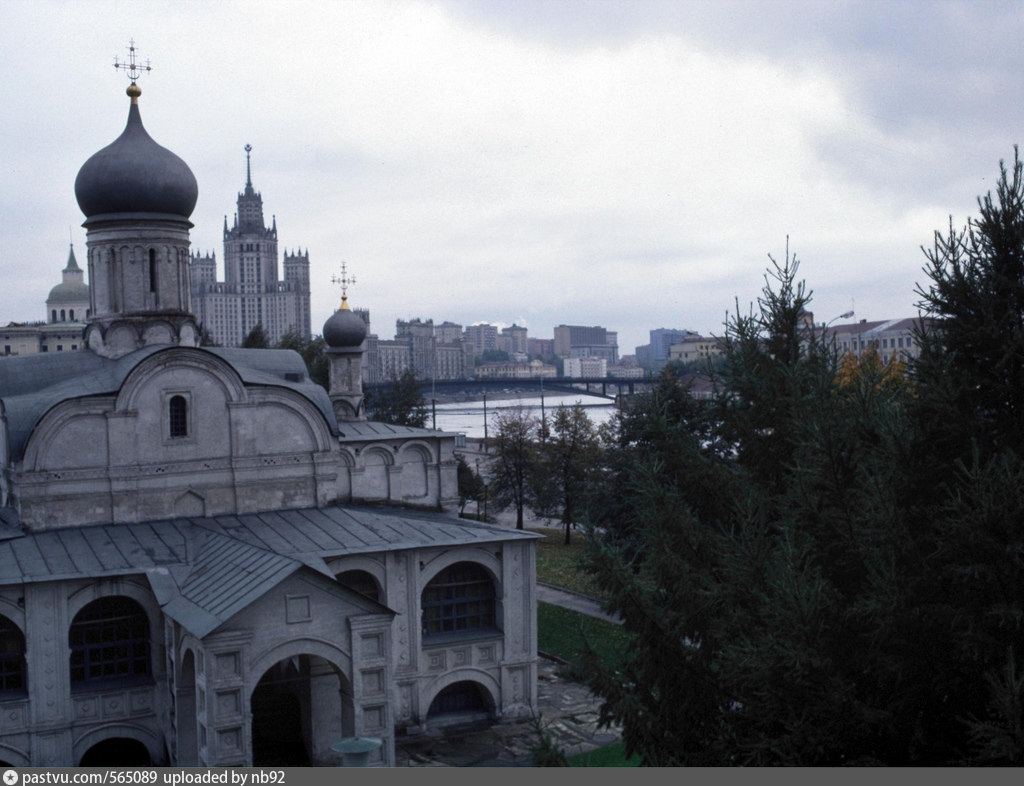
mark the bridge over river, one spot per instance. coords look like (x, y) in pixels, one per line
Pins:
(607, 387)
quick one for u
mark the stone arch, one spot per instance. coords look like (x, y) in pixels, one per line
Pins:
(159, 333)
(376, 481)
(477, 676)
(122, 337)
(16, 757)
(53, 429)
(110, 637)
(157, 363)
(463, 597)
(300, 703)
(130, 589)
(131, 731)
(415, 459)
(13, 612)
(322, 648)
(374, 567)
(487, 559)
(117, 586)
(297, 405)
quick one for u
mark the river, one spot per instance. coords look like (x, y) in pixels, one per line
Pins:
(467, 417)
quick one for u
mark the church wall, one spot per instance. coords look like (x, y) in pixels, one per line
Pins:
(304, 615)
(502, 662)
(99, 460)
(58, 720)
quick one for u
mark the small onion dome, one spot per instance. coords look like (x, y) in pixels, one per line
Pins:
(344, 329)
(133, 174)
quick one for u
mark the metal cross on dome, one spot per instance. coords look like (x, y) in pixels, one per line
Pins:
(133, 69)
(345, 280)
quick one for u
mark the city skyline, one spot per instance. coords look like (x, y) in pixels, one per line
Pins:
(629, 165)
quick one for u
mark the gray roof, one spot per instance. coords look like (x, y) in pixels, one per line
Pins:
(30, 385)
(306, 535)
(205, 570)
(358, 430)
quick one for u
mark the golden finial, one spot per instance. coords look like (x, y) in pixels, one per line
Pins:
(345, 280)
(133, 69)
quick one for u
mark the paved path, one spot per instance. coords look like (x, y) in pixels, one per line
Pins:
(584, 604)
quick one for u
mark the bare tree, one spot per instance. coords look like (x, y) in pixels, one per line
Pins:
(515, 452)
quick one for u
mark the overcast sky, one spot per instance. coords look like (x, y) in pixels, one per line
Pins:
(624, 164)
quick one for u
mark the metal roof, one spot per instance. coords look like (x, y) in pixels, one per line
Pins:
(359, 430)
(307, 535)
(203, 571)
(30, 385)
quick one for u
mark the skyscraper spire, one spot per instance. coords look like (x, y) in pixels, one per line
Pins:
(248, 168)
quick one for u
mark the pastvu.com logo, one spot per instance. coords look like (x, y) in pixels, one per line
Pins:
(10, 777)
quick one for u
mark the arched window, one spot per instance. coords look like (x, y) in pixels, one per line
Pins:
(459, 599)
(53, 315)
(62, 317)
(109, 638)
(152, 270)
(71, 315)
(360, 581)
(178, 414)
(12, 658)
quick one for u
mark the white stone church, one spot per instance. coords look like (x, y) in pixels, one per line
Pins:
(205, 558)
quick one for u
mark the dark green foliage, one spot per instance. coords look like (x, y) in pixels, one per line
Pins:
(567, 470)
(791, 602)
(471, 486)
(256, 338)
(975, 302)
(313, 351)
(400, 402)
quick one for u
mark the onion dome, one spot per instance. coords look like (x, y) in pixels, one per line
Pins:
(344, 329)
(135, 175)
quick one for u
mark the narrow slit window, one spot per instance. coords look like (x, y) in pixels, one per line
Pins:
(152, 270)
(178, 413)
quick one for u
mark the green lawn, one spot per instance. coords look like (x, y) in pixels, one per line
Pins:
(558, 564)
(613, 755)
(562, 633)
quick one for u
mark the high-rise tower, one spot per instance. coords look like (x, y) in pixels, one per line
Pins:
(251, 292)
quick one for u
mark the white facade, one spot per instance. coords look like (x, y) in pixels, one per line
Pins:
(585, 368)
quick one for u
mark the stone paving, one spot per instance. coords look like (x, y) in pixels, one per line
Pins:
(568, 710)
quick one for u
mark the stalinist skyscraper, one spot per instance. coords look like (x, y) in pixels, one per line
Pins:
(251, 292)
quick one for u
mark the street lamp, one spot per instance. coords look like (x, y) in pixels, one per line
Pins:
(844, 315)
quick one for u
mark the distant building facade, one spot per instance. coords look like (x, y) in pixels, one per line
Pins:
(695, 347)
(585, 368)
(67, 308)
(514, 340)
(534, 369)
(891, 338)
(251, 292)
(578, 341)
(654, 356)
